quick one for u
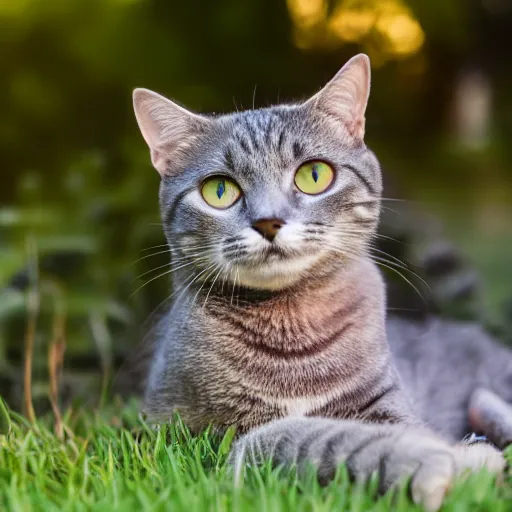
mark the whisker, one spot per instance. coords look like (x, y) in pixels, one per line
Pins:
(386, 237)
(154, 247)
(342, 230)
(396, 199)
(404, 278)
(394, 263)
(151, 255)
(151, 280)
(366, 233)
(194, 280)
(188, 249)
(209, 251)
(167, 265)
(205, 280)
(194, 259)
(347, 250)
(234, 284)
(184, 248)
(224, 279)
(372, 200)
(181, 244)
(212, 285)
(389, 255)
(197, 254)
(391, 210)
(401, 265)
(239, 286)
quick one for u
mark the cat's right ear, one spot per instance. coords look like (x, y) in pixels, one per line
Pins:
(167, 128)
(345, 97)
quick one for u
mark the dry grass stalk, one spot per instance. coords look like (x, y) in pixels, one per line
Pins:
(30, 331)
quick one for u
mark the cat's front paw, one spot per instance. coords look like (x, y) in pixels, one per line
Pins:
(395, 452)
(477, 456)
(437, 465)
(427, 460)
(433, 478)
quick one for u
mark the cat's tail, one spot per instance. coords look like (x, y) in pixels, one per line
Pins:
(491, 416)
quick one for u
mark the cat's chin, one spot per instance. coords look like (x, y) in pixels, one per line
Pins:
(274, 275)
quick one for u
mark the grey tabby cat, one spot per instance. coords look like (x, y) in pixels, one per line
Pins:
(278, 321)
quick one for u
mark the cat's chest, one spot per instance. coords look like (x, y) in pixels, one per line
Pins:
(293, 361)
(283, 330)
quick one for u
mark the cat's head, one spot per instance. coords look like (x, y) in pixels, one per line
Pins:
(267, 197)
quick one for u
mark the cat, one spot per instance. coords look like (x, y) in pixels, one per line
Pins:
(278, 318)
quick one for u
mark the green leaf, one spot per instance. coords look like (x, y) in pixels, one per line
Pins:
(227, 441)
(5, 418)
(11, 302)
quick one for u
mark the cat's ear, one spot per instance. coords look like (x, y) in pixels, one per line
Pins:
(345, 97)
(167, 128)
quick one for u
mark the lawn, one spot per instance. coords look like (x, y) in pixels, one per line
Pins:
(112, 461)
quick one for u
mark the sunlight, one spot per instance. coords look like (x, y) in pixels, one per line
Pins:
(307, 13)
(403, 33)
(387, 26)
(307, 16)
(350, 24)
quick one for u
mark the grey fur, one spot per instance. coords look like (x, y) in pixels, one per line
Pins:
(291, 334)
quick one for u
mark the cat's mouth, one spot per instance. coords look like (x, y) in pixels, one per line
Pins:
(255, 262)
(273, 252)
(273, 268)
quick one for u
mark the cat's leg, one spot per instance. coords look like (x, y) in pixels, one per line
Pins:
(394, 451)
(491, 416)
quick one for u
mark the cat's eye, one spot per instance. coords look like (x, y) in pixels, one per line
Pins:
(314, 177)
(220, 192)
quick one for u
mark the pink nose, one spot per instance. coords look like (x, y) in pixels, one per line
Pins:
(268, 228)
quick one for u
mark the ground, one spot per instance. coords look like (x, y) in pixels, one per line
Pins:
(110, 460)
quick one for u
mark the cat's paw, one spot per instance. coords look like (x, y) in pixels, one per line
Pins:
(439, 464)
(427, 460)
(433, 479)
(394, 452)
(474, 457)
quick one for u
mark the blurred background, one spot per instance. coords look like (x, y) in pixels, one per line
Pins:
(79, 223)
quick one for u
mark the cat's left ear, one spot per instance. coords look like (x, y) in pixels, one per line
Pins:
(345, 97)
(167, 128)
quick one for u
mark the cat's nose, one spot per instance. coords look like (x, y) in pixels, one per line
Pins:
(268, 228)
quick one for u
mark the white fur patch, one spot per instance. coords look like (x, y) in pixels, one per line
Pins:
(302, 406)
(296, 407)
(362, 212)
(474, 457)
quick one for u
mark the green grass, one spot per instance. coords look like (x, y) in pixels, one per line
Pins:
(110, 462)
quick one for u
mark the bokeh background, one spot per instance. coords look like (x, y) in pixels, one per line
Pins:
(78, 199)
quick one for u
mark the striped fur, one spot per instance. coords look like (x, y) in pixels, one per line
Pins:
(287, 339)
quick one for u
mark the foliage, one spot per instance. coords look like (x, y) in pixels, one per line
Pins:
(110, 460)
(78, 201)
(81, 268)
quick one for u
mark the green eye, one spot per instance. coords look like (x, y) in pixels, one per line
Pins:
(220, 192)
(314, 177)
